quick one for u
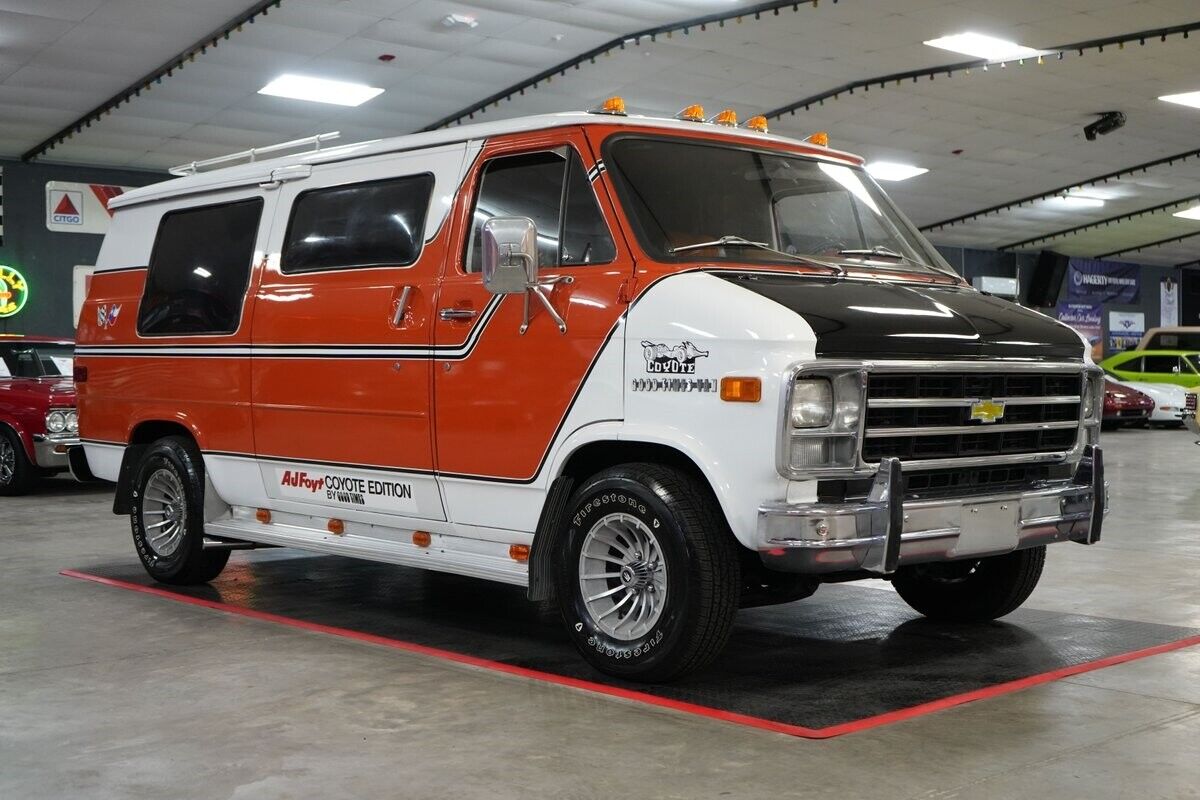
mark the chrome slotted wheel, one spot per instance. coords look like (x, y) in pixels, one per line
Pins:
(8, 461)
(622, 577)
(164, 510)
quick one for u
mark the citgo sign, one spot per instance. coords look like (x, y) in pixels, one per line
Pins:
(14, 291)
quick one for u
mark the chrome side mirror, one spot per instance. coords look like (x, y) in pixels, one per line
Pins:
(509, 250)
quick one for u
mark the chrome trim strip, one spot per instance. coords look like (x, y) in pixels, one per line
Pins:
(993, 427)
(967, 402)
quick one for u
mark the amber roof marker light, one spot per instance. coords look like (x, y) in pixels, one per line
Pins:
(757, 124)
(820, 138)
(692, 113)
(613, 105)
(727, 117)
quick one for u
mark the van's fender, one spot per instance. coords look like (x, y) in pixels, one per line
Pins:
(682, 335)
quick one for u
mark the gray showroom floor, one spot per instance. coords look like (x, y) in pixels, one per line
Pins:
(112, 694)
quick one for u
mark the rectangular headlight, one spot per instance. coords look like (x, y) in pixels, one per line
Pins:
(812, 403)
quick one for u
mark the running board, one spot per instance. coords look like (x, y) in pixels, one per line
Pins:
(444, 553)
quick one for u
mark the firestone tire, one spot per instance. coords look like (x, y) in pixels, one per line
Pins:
(167, 515)
(16, 473)
(661, 570)
(972, 591)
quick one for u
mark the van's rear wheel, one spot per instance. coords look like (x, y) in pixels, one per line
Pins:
(648, 578)
(167, 515)
(971, 590)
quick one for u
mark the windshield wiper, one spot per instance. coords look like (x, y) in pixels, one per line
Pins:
(877, 250)
(739, 241)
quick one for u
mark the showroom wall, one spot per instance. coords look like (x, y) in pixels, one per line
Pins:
(978, 263)
(45, 258)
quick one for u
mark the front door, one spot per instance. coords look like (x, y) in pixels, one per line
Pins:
(503, 396)
(342, 335)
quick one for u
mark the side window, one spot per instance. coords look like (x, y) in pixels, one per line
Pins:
(381, 223)
(1164, 364)
(199, 269)
(585, 236)
(553, 191)
(1132, 365)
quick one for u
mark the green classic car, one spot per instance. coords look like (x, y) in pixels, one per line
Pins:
(1181, 367)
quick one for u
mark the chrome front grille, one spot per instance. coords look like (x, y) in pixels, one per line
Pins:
(928, 415)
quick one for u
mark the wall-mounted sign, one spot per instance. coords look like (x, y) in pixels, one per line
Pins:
(79, 207)
(1168, 302)
(1090, 281)
(14, 292)
(1085, 318)
(1125, 329)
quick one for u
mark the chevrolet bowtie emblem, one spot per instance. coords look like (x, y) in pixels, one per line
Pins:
(987, 411)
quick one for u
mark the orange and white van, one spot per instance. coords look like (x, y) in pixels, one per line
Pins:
(657, 369)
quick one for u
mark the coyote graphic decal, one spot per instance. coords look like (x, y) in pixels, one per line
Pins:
(677, 360)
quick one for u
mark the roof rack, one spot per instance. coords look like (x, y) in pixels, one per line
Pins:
(254, 152)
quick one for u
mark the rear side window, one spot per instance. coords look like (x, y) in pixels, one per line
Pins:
(1183, 340)
(199, 270)
(381, 223)
(1160, 364)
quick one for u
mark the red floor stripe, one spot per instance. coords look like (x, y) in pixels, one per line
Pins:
(643, 697)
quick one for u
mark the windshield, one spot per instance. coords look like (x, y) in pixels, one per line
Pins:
(680, 194)
(36, 361)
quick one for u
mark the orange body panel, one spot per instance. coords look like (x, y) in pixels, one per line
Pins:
(209, 396)
(497, 412)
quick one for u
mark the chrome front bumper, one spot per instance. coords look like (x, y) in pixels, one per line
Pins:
(883, 532)
(52, 453)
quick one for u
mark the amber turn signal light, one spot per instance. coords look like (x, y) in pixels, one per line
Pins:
(819, 138)
(518, 552)
(693, 113)
(336, 527)
(741, 390)
(262, 515)
(421, 538)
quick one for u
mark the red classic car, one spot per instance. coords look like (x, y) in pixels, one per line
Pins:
(38, 423)
(1124, 405)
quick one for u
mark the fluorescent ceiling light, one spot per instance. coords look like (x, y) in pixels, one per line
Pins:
(320, 90)
(986, 47)
(1076, 201)
(891, 171)
(1187, 99)
(1188, 213)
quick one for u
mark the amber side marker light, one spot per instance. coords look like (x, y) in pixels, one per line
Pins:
(421, 538)
(336, 527)
(757, 124)
(693, 113)
(819, 138)
(741, 390)
(262, 515)
(613, 105)
(518, 552)
(727, 117)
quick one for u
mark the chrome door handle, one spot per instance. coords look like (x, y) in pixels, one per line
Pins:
(450, 314)
(401, 306)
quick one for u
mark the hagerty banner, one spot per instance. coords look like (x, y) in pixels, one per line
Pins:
(1090, 281)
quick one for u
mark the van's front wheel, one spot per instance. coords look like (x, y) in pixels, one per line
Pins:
(167, 515)
(648, 579)
(972, 590)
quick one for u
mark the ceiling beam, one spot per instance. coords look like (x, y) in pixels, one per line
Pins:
(1147, 246)
(1143, 167)
(1103, 223)
(1057, 52)
(618, 43)
(144, 83)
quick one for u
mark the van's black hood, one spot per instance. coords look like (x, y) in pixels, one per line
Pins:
(868, 319)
